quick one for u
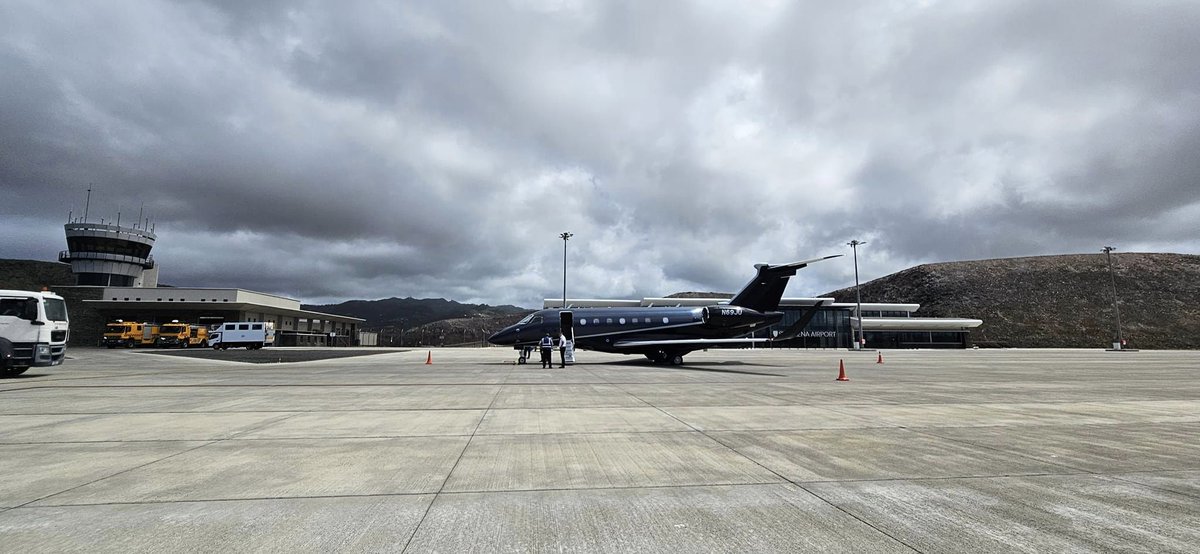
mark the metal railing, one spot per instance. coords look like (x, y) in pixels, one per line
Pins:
(67, 256)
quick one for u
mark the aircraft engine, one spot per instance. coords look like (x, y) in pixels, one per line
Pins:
(731, 316)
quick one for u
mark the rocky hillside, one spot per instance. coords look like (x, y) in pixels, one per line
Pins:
(413, 312)
(1056, 301)
(33, 275)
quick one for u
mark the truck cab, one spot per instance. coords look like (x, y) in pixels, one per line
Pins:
(173, 335)
(121, 333)
(33, 330)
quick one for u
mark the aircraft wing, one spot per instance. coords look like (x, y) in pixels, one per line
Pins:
(678, 342)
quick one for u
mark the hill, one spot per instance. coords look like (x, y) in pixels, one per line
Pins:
(426, 321)
(1056, 301)
(33, 275)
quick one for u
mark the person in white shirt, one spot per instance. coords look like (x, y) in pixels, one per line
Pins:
(562, 349)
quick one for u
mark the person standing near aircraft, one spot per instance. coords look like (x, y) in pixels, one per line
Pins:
(547, 346)
(562, 349)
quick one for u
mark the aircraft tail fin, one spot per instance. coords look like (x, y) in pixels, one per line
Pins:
(794, 331)
(764, 291)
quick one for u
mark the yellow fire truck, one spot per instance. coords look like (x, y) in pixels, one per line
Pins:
(127, 334)
(197, 336)
(173, 335)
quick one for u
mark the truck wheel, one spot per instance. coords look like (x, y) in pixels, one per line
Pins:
(6, 360)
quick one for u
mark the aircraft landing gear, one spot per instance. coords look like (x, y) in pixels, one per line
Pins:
(664, 357)
(526, 352)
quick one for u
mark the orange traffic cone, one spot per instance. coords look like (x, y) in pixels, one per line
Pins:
(880, 360)
(842, 371)
(429, 358)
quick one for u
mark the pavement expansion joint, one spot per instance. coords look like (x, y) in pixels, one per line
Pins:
(458, 460)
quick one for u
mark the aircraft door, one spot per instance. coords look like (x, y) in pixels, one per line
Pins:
(566, 321)
(566, 324)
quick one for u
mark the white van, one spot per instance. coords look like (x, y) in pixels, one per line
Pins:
(33, 330)
(251, 334)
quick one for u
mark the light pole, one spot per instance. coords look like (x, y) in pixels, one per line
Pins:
(1113, 281)
(854, 244)
(565, 236)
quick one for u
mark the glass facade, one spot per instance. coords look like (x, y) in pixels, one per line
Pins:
(109, 246)
(103, 280)
(916, 339)
(831, 328)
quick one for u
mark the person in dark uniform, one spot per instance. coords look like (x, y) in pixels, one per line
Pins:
(547, 346)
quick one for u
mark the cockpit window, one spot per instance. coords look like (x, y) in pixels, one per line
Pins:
(529, 319)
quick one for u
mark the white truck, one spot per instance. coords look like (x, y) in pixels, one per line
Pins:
(33, 330)
(251, 334)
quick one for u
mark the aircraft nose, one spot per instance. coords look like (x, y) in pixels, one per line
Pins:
(502, 337)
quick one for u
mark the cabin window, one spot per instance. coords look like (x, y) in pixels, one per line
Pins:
(665, 320)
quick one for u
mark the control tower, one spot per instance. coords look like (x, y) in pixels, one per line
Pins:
(110, 255)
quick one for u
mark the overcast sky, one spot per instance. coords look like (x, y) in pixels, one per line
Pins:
(336, 150)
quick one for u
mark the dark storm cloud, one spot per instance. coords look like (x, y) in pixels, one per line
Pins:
(361, 150)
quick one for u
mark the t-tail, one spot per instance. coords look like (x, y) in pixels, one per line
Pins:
(764, 291)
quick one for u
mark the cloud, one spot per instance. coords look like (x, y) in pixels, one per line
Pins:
(366, 150)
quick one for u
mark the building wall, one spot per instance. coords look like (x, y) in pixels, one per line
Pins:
(87, 323)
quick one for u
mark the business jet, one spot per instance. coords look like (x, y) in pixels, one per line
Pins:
(665, 334)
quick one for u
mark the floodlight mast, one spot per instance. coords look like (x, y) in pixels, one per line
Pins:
(854, 244)
(1118, 342)
(565, 236)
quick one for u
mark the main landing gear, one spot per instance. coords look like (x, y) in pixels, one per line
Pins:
(664, 357)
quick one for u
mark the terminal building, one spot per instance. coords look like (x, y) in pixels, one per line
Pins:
(117, 278)
(835, 323)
